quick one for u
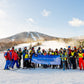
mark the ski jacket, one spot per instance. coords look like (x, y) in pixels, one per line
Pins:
(69, 52)
(56, 52)
(80, 55)
(24, 52)
(8, 55)
(31, 53)
(26, 57)
(38, 52)
(49, 53)
(12, 51)
(52, 53)
(15, 56)
(19, 54)
(72, 53)
(64, 56)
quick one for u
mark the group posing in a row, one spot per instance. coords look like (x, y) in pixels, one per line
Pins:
(70, 58)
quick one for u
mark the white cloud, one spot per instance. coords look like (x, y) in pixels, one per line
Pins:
(45, 12)
(76, 22)
(31, 20)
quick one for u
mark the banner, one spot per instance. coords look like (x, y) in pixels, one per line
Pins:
(46, 59)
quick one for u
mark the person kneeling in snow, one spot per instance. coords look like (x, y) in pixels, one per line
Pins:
(15, 58)
(8, 57)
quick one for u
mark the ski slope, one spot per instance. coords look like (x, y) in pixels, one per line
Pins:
(45, 45)
(39, 75)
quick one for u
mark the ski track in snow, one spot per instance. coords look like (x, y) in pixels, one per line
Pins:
(33, 37)
(39, 75)
(37, 35)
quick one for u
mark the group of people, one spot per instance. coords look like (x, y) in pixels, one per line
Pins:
(71, 58)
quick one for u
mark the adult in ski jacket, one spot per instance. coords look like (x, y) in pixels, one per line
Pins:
(12, 50)
(27, 60)
(20, 56)
(64, 59)
(49, 51)
(15, 58)
(81, 61)
(73, 59)
(56, 52)
(39, 51)
(24, 52)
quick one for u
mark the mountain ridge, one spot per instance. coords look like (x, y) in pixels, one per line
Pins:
(28, 37)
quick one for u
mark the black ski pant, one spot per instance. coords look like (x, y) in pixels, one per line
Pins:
(19, 62)
(27, 64)
(73, 63)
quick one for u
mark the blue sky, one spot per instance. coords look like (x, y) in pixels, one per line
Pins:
(59, 18)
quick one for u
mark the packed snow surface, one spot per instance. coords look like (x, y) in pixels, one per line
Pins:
(45, 45)
(39, 75)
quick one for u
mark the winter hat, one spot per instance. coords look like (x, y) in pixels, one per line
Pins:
(15, 49)
(32, 48)
(74, 46)
(8, 49)
(12, 47)
(69, 46)
(64, 48)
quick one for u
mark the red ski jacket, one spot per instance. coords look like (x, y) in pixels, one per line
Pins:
(15, 56)
(8, 55)
(12, 51)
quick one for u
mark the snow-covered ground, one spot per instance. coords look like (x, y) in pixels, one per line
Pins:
(39, 75)
(45, 45)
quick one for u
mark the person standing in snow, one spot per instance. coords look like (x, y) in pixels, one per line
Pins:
(15, 59)
(81, 61)
(27, 60)
(69, 54)
(64, 59)
(52, 54)
(38, 53)
(24, 52)
(60, 53)
(12, 50)
(20, 56)
(8, 57)
(49, 51)
(31, 53)
(56, 52)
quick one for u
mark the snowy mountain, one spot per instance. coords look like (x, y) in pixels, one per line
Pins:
(28, 37)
